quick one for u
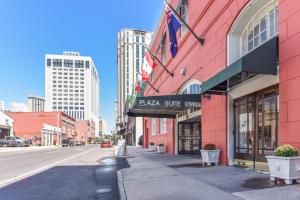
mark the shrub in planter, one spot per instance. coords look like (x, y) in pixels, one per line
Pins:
(209, 147)
(161, 148)
(285, 164)
(286, 150)
(152, 146)
(210, 154)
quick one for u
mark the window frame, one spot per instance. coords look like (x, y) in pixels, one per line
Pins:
(153, 126)
(163, 126)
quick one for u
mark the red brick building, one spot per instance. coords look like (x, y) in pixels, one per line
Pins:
(49, 128)
(85, 131)
(246, 73)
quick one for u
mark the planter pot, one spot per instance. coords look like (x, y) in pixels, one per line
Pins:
(161, 149)
(210, 156)
(286, 168)
(152, 147)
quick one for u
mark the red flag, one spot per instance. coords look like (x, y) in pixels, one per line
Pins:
(138, 87)
(145, 76)
(149, 63)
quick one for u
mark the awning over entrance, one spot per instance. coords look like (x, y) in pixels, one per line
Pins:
(164, 106)
(262, 60)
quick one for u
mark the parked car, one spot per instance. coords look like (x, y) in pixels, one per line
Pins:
(9, 141)
(67, 142)
(106, 144)
(79, 143)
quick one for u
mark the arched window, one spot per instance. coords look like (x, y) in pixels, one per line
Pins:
(191, 87)
(256, 24)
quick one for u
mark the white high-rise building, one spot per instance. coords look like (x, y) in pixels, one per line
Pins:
(130, 55)
(36, 104)
(72, 86)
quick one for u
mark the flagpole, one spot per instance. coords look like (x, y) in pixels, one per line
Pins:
(201, 40)
(171, 73)
(156, 90)
(147, 82)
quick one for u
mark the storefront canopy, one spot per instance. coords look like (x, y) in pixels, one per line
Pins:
(164, 106)
(262, 60)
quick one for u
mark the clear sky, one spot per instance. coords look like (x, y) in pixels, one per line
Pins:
(31, 28)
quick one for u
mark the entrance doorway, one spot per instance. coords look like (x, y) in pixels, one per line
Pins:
(189, 136)
(256, 128)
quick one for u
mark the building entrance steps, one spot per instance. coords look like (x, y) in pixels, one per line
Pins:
(150, 175)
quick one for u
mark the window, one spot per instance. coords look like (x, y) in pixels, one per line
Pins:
(68, 63)
(153, 126)
(87, 64)
(163, 125)
(163, 48)
(48, 62)
(262, 27)
(78, 64)
(183, 11)
(57, 63)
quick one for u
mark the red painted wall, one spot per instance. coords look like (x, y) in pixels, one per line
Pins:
(29, 124)
(211, 20)
(289, 56)
(161, 138)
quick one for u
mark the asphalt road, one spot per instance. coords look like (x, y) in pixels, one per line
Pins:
(75, 173)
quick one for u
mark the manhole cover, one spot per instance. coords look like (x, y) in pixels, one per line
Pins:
(104, 170)
(103, 190)
(108, 161)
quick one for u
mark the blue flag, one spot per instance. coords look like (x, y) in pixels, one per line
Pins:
(173, 26)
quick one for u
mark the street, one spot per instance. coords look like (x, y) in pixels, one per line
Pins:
(83, 172)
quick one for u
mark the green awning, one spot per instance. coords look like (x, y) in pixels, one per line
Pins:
(262, 60)
(167, 106)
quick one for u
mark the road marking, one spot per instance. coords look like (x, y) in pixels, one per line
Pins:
(19, 177)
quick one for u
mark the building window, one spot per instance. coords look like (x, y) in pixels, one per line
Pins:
(163, 125)
(183, 11)
(79, 64)
(153, 126)
(262, 27)
(68, 63)
(57, 63)
(137, 39)
(48, 62)
(163, 48)
(87, 64)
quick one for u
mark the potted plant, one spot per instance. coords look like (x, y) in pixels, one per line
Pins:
(161, 148)
(210, 154)
(285, 164)
(152, 146)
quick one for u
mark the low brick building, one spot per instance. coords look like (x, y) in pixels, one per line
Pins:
(45, 128)
(85, 131)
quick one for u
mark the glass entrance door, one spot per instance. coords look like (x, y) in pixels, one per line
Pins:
(256, 128)
(189, 138)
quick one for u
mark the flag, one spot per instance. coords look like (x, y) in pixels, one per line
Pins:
(149, 63)
(138, 87)
(145, 76)
(173, 27)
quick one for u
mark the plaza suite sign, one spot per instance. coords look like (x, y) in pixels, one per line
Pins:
(170, 101)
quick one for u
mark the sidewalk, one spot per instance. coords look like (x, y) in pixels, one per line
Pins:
(149, 175)
(32, 148)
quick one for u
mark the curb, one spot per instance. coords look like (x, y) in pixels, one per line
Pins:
(122, 193)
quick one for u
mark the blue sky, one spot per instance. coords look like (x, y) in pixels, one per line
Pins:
(30, 29)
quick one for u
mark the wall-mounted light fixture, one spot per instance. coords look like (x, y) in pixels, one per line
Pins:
(207, 96)
(183, 71)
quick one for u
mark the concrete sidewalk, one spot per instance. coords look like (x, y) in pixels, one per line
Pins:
(149, 175)
(32, 148)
